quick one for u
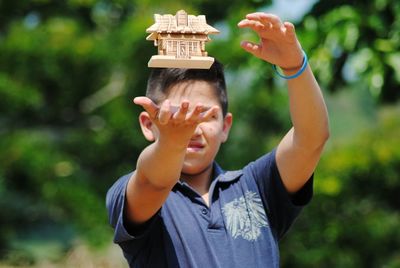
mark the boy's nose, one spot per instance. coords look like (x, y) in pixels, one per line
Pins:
(198, 131)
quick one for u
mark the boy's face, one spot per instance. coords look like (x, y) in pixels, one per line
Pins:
(209, 135)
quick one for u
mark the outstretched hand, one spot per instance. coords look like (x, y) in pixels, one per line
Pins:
(178, 122)
(278, 42)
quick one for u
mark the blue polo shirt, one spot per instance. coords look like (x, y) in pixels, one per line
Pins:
(249, 212)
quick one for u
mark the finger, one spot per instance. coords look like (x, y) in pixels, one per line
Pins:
(148, 105)
(194, 115)
(252, 24)
(252, 48)
(266, 19)
(180, 115)
(290, 30)
(254, 16)
(213, 111)
(165, 113)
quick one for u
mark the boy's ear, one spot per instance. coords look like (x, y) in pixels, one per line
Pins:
(147, 126)
(227, 126)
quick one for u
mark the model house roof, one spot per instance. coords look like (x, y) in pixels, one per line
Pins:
(181, 23)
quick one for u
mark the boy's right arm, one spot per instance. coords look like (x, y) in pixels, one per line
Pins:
(159, 165)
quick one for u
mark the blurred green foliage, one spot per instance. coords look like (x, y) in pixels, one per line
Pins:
(68, 128)
(358, 41)
(353, 219)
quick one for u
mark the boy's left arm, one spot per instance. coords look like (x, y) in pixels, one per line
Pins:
(299, 151)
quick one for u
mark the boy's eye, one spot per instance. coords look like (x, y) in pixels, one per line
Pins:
(213, 117)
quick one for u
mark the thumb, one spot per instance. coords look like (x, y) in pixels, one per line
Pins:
(252, 48)
(141, 100)
(147, 104)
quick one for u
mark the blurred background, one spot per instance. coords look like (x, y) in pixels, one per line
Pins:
(68, 129)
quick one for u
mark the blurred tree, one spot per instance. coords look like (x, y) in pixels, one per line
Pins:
(353, 41)
(353, 219)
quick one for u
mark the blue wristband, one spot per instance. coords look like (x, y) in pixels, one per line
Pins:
(302, 68)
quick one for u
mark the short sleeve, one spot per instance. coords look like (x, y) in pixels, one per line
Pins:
(282, 207)
(115, 203)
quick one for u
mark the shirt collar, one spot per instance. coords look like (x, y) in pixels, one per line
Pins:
(225, 176)
(220, 175)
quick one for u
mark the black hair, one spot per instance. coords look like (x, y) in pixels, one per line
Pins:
(162, 79)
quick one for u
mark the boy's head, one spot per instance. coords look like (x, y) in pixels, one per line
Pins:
(195, 86)
(162, 80)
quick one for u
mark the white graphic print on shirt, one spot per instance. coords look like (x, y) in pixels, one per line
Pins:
(245, 216)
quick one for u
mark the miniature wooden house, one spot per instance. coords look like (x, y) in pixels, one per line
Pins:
(181, 41)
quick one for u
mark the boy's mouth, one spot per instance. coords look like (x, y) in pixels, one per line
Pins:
(195, 146)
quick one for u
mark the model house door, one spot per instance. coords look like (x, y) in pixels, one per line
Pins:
(183, 49)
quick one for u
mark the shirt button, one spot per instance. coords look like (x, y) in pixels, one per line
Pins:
(204, 211)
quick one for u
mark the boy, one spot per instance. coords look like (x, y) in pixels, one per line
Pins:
(179, 208)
